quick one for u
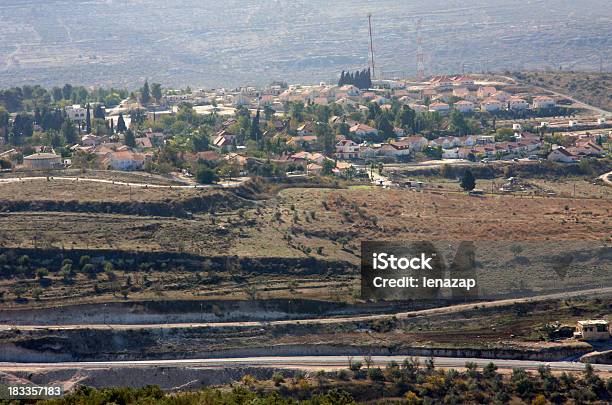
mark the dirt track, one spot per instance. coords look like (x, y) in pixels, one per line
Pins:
(319, 321)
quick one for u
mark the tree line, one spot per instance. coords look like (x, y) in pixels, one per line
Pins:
(361, 79)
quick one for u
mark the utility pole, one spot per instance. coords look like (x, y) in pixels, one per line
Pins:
(371, 46)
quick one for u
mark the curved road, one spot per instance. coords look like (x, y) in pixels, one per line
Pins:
(308, 362)
(313, 321)
(225, 184)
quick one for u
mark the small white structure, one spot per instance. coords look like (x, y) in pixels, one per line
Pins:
(517, 127)
(491, 104)
(363, 130)
(601, 121)
(598, 329)
(517, 103)
(464, 106)
(572, 123)
(544, 102)
(347, 149)
(439, 107)
(76, 113)
(561, 155)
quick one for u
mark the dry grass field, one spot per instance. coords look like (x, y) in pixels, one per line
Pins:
(326, 225)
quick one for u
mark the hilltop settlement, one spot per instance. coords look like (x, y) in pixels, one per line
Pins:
(326, 129)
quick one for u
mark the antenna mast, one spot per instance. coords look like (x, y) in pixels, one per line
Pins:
(420, 59)
(373, 64)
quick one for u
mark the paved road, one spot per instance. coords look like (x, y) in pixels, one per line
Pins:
(315, 321)
(224, 184)
(309, 362)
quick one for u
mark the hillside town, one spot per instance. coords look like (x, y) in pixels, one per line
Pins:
(309, 129)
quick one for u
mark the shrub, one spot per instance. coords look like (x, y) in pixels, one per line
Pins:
(205, 175)
(278, 378)
(376, 374)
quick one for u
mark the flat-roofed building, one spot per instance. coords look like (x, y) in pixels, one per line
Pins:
(598, 329)
(42, 161)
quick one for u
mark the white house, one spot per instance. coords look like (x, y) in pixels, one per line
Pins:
(363, 130)
(347, 149)
(464, 106)
(91, 140)
(543, 102)
(486, 91)
(416, 143)
(441, 83)
(349, 90)
(517, 103)
(491, 104)
(446, 142)
(76, 113)
(439, 107)
(418, 107)
(501, 96)
(125, 160)
(561, 155)
(463, 81)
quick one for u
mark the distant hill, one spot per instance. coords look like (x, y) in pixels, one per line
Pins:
(233, 42)
(589, 87)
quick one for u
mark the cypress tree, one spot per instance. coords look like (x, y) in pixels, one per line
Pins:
(130, 139)
(145, 93)
(255, 131)
(88, 120)
(468, 181)
(99, 112)
(121, 127)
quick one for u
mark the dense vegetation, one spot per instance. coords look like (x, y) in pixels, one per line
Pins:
(360, 79)
(409, 382)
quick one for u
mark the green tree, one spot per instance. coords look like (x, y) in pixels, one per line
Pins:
(121, 127)
(385, 127)
(328, 166)
(67, 92)
(468, 181)
(88, 120)
(205, 175)
(504, 135)
(268, 112)
(129, 138)
(325, 136)
(405, 118)
(99, 112)
(255, 131)
(145, 93)
(57, 94)
(69, 132)
(200, 140)
(156, 92)
(458, 123)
